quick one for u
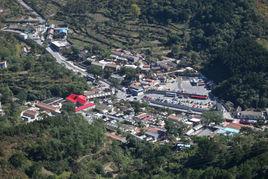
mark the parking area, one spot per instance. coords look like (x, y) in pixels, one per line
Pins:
(194, 103)
(187, 87)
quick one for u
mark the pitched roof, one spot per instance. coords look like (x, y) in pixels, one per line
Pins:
(30, 113)
(234, 126)
(86, 106)
(173, 117)
(74, 98)
(46, 107)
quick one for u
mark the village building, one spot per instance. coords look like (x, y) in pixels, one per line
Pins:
(61, 33)
(126, 55)
(98, 64)
(29, 115)
(48, 108)
(174, 117)
(3, 64)
(81, 102)
(117, 78)
(59, 46)
(112, 67)
(166, 65)
(2, 113)
(136, 90)
(156, 133)
(145, 118)
(250, 115)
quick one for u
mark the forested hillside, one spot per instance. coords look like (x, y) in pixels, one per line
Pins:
(68, 147)
(241, 71)
(31, 76)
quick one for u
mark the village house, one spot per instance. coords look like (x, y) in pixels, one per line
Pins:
(174, 117)
(145, 67)
(2, 113)
(145, 118)
(149, 83)
(59, 46)
(166, 65)
(112, 67)
(156, 133)
(250, 115)
(81, 102)
(3, 64)
(29, 115)
(117, 78)
(98, 64)
(125, 54)
(135, 89)
(48, 108)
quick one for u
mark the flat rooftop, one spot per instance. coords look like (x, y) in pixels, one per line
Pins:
(60, 43)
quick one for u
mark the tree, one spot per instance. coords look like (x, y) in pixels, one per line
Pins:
(5, 94)
(17, 160)
(174, 128)
(136, 11)
(95, 70)
(68, 107)
(212, 117)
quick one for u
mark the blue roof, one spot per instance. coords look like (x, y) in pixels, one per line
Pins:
(231, 130)
(63, 30)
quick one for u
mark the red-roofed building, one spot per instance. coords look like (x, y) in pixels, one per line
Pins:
(174, 117)
(81, 102)
(144, 117)
(85, 107)
(234, 126)
(74, 98)
(201, 97)
(82, 99)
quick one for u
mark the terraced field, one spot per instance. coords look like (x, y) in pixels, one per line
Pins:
(10, 10)
(263, 7)
(104, 31)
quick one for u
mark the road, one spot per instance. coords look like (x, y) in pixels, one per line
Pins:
(59, 58)
(38, 16)
(62, 60)
(13, 31)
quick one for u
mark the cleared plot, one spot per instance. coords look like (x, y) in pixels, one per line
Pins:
(263, 42)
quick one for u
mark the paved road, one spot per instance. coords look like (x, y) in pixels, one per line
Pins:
(62, 60)
(13, 31)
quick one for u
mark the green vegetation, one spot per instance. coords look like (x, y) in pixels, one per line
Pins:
(242, 73)
(31, 77)
(212, 117)
(199, 29)
(227, 38)
(68, 146)
(54, 143)
(11, 9)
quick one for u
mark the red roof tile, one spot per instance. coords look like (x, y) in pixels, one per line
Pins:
(74, 98)
(86, 106)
